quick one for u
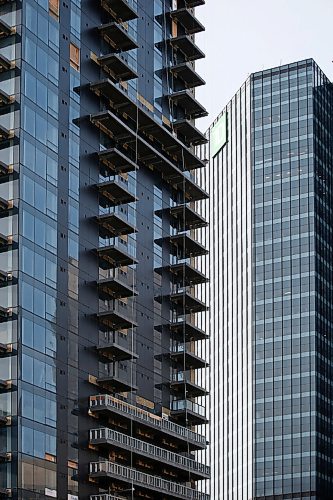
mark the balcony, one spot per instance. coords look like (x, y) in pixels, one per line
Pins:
(119, 9)
(6, 207)
(114, 193)
(5, 134)
(191, 4)
(184, 300)
(118, 317)
(114, 288)
(115, 162)
(5, 386)
(5, 29)
(184, 274)
(187, 218)
(113, 225)
(185, 72)
(187, 19)
(117, 67)
(5, 99)
(188, 132)
(184, 410)
(5, 171)
(5, 64)
(109, 438)
(186, 100)
(186, 45)
(184, 246)
(143, 482)
(114, 256)
(116, 380)
(118, 37)
(182, 354)
(105, 496)
(184, 382)
(114, 350)
(6, 350)
(141, 418)
(190, 189)
(186, 331)
(6, 314)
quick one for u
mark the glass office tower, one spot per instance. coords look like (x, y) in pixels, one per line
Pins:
(102, 358)
(270, 183)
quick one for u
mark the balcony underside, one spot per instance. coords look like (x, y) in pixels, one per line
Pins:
(188, 20)
(185, 246)
(188, 416)
(188, 360)
(190, 134)
(5, 29)
(114, 288)
(187, 388)
(117, 67)
(112, 225)
(5, 171)
(187, 217)
(112, 257)
(113, 351)
(5, 134)
(5, 64)
(184, 274)
(114, 161)
(137, 119)
(115, 384)
(186, 73)
(186, 100)
(5, 99)
(118, 37)
(6, 386)
(186, 331)
(6, 350)
(112, 194)
(191, 4)
(4, 420)
(115, 320)
(187, 302)
(186, 45)
(120, 9)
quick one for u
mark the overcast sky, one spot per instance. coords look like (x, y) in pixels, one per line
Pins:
(244, 36)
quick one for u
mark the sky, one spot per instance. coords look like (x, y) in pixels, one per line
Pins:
(244, 36)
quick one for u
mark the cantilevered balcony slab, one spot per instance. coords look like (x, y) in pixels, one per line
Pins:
(114, 161)
(185, 246)
(114, 256)
(114, 319)
(6, 350)
(153, 455)
(6, 386)
(5, 99)
(189, 133)
(138, 419)
(5, 420)
(186, 100)
(5, 171)
(187, 19)
(5, 64)
(114, 288)
(119, 9)
(194, 3)
(185, 72)
(114, 351)
(6, 314)
(184, 274)
(188, 302)
(186, 45)
(186, 331)
(118, 37)
(114, 193)
(184, 383)
(5, 29)
(190, 189)
(182, 355)
(187, 218)
(143, 483)
(113, 225)
(6, 207)
(187, 412)
(116, 383)
(117, 67)
(5, 134)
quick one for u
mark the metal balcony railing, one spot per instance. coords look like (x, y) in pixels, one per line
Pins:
(152, 451)
(105, 497)
(152, 420)
(174, 490)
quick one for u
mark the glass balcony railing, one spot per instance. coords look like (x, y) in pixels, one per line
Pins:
(147, 481)
(185, 404)
(165, 425)
(151, 451)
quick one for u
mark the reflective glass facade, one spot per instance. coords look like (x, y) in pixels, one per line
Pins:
(271, 371)
(102, 278)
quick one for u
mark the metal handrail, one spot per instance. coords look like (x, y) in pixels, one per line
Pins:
(139, 414)
(154, 482)
(149, 449)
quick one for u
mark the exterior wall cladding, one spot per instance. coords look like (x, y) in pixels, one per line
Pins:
(271, 194)
(102, 363)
